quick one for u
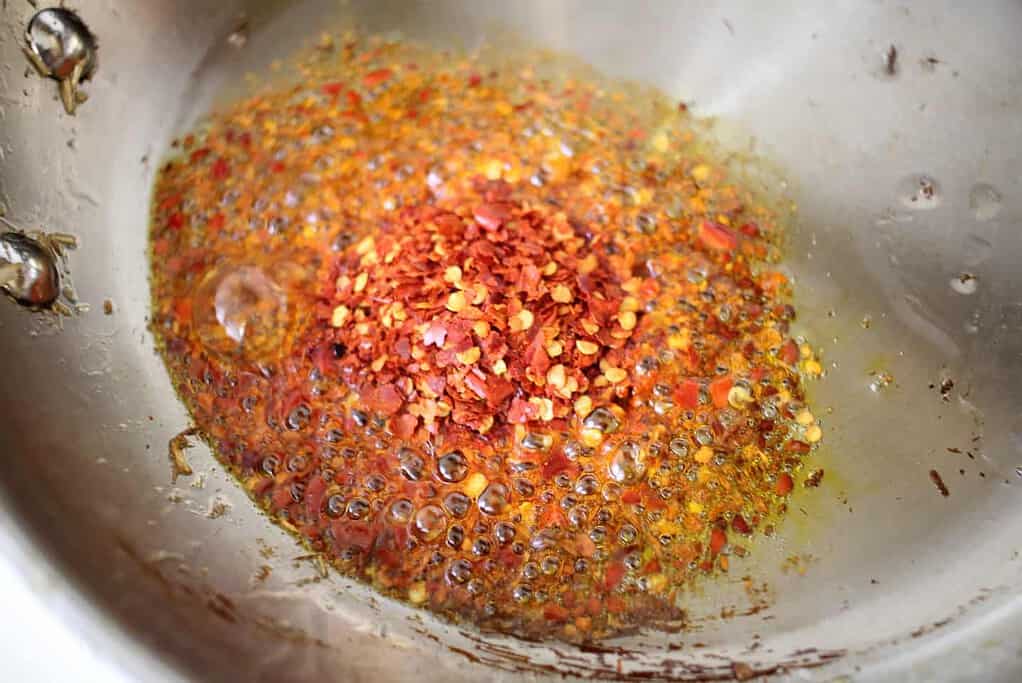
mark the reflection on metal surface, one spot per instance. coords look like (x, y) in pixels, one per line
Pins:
(29, 270)
(61, 46)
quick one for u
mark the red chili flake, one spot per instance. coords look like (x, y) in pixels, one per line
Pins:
(404, 426)
(686, 394)
(491, 216)
(353, 534)
(221, 169)
(488, 318)
(716, 236)
(520, 411)
(498, 390)
(750, 229)
(314, 491)
(615, 573)
(374, 78)
(281, 497)
(739, 524)
(435, 335)
(170, 202)
(717, 540)
(789, 352)
(631, 496)
(614, 604)
(175, 221)
(555, 613)
(556, 464)
(332, 89)
(584, 545)
(385, 399)
(719, 389)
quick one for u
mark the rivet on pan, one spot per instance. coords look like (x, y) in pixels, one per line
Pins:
(29, 270)
(60, 46)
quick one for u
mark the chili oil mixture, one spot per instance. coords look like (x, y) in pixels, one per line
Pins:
(507, 347)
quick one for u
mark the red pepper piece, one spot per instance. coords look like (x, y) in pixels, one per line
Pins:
(789, 352)
(717, 540)
(491, 215)
(374, 78)
(615, 573)
(719, 389)
(716, 236)
(555, 613)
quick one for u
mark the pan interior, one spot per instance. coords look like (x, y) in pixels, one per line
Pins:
(915, 302)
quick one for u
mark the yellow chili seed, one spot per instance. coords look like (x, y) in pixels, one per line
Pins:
(456, 302)
(556, 376)
(615, 375)
(630, 304)
(475, 484)
(704, 455)
(739, 397)
(583, 406)
(627, 320)
(339, 316)
(452, 274)
(360, 282)
(545, 407)
(561, 294)
(812, 367)
(586, 347)
(481, 328)
(591, 438)
(469, 356)
(521, 321)
(417, 592)
(814, 434)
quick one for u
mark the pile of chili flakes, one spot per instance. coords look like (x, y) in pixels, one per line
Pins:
(505, 347)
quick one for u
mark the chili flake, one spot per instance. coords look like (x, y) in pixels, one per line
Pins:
(512, 352)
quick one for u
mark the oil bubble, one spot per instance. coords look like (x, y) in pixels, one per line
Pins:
(240, 310)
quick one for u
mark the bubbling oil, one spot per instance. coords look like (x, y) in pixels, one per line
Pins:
(343, 271)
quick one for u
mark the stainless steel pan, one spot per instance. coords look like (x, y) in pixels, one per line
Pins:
(899, 130)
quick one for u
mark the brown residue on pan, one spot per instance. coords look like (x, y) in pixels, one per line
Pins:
(939, 483)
